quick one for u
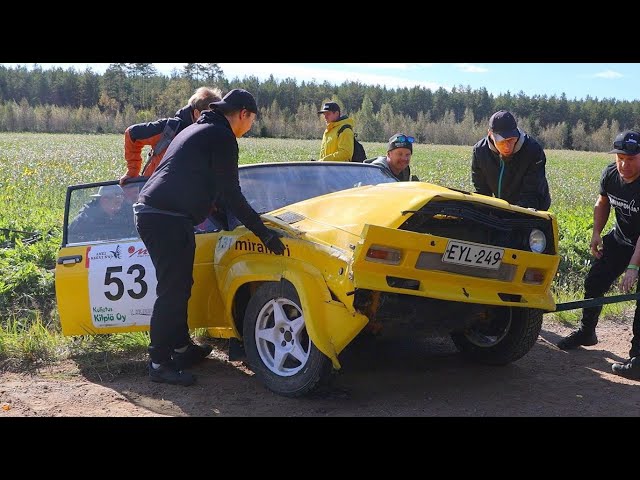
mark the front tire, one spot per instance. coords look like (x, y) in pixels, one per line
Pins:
(507, 335)
(277, 344)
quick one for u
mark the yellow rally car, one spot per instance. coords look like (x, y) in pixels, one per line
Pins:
(362, 250)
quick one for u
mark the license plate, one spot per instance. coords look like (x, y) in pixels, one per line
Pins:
(473, 255)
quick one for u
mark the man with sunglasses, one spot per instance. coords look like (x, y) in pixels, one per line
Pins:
(510, 164)
(399, 152)
(618, 252)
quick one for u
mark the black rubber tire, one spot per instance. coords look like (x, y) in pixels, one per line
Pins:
(316, 370)
(523, 330)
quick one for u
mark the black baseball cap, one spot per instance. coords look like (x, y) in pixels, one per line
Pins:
(503, 125)
(627, 143)
(329, 107)
(236, 99)
(109, 191)
(400, 140)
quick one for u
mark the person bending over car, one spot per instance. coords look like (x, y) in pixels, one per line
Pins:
(200, 168)
(510, 164)
(160, 133)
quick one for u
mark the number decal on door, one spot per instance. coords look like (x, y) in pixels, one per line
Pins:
(122, 284)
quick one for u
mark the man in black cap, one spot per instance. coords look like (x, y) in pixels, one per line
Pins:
(510, 164)
(399, 152)
(337, 139)
(200, 167)
(618, 252)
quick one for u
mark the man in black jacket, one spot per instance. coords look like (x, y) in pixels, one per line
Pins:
(199, 168)
(509, 164)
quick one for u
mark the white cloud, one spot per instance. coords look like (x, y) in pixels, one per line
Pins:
(469, 68)
(608, 74)
(301, 72)
(391, 66)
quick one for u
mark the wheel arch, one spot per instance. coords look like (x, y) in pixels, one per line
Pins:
(329, 323)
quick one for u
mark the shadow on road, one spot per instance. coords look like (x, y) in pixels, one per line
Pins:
(401, 377)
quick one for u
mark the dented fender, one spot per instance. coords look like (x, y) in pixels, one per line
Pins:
(330, 324)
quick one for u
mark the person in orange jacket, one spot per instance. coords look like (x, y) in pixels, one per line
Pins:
(159, 134)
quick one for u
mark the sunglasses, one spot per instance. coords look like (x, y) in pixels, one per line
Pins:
(630, 146)
(403, 139)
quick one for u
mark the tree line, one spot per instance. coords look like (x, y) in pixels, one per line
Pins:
(71, 101)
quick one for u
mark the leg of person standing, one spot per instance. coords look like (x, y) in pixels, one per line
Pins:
(170, 242)
(601, 276)
(631, 367)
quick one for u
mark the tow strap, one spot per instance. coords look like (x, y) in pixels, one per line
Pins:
(596, 302)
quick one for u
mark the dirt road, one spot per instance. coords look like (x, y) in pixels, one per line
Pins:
(380, 377)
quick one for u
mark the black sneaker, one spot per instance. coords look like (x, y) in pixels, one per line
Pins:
(577, 338)
(192, 355)
(628, 369)
(169, 373)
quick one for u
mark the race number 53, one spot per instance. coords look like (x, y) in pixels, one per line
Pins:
(111, 277)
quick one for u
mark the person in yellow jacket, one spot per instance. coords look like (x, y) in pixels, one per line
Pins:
(337, 141)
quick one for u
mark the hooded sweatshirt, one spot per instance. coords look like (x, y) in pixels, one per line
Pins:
(141, 134)
(337, 148)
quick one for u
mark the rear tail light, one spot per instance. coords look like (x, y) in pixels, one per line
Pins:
(380, 254)
(534, 276)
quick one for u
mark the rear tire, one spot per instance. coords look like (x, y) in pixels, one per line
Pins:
(507, 336)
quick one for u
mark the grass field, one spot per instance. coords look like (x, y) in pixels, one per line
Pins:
(36, 169)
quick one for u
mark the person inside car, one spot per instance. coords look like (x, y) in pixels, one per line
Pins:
(106, 217)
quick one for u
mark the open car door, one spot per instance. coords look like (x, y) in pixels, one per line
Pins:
(105, 281)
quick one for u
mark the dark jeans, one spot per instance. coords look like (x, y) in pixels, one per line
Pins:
(601, 276)
(171, 244)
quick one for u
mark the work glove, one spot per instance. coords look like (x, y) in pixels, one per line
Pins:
(271, 239)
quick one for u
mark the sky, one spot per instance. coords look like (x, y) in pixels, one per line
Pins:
(576, 80)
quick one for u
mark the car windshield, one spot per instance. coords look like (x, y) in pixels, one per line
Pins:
(268, 187)
(94, 214)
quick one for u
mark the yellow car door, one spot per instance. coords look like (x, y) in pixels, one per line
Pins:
(105, 281)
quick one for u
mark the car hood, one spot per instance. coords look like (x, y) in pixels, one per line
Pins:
(339, 218)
